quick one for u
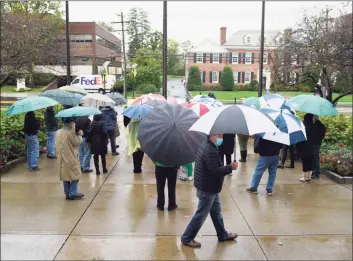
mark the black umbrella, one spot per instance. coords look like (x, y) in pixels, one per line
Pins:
(165, 137)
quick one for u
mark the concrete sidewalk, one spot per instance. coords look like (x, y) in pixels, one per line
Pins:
(118, 219)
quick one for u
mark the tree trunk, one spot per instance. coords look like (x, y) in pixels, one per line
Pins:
(335, 101)
(328, 84)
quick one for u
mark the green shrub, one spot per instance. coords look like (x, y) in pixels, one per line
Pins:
(254, 85)
(227, 79)
(244, 87)
(236, 88)
(146, 88)
(214, 88)
(43, 79)
(305, 88)
(119, 86)
(194, 78)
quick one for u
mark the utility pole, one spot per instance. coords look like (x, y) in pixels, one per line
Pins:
(262, 50)
(165, 49)
(124, 52)
(68, 61)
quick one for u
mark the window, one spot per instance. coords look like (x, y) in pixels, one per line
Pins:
(108, 44)
(248, 40)
(214, 77)
(199, 57)
(81, 38)
(201, 75)
(215, 58)
(248, 58)
(235, 76)
(235, 58)
(247, 77)
(265, 58)
(76, 81)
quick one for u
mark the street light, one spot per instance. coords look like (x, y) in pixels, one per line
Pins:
(133, 67)
(261, 82)
(68, 62)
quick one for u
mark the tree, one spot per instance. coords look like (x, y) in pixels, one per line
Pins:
(194, 79)
(106, 26)
(29, 7)
(174, 58)
(227, 79)
(154, 40)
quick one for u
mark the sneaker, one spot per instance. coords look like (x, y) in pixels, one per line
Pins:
(305, 180)
(34, 169)
(269, 193)
(230, 237)
(172, 208)
(192, 243)
(191, 178)
(87, 170)
(51, 157)
(251, 190)
(290, 167)
(77, 196)
(115, 153)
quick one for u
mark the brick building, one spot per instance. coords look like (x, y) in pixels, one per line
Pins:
(241, 51)
(90, 45)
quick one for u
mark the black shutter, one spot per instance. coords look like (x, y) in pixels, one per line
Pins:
(230, 58)
(210, 77)
(243, 77)
(239, 58)
(243, 57)
(252, 58)
(220, 58)
(204, 58)
(203, 77)
(252, 76)
(296, 77)
(239, 77)
(219, 77)
(194, 57)
(211, 57)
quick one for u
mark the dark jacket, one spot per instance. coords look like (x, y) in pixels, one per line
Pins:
(109, 116)
(266, 148)
(126, 121)
(227, 146)
(97, 137)
(209, 170)
(319, 130)
(31, 124)
(83, 123)
(51, 123)
(305, 149)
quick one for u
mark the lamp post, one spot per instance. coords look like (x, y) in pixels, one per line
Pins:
(68, 62)
(133, 67)
(165, 49)
(261, 81)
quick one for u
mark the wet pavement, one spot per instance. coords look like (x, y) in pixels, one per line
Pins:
(118, 219)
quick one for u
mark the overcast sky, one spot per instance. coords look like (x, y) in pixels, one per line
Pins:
(197, 21)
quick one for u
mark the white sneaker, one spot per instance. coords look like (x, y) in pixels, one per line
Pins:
(190, 178)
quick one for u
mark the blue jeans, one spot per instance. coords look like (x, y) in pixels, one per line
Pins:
(70, 187)
(316, 160)
(208, 203)
(265, 162)
(84, 154)
(32, 151)
(51, 143)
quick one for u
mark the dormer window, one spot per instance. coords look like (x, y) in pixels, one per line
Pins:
(248, 39)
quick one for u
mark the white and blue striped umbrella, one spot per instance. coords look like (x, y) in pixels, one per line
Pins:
(291, 127)
(272, 101)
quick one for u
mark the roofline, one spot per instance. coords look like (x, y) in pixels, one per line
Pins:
(247, 47)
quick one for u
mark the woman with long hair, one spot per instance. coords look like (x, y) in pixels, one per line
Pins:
(98, 139)
(31, 129)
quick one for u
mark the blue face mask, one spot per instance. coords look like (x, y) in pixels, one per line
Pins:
(219, 142)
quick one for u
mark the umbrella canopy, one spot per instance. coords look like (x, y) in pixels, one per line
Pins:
(207, 100)
(291, 127)
(31, 103)
(199, 108)
(148, 97)
(165, 138)
(77, 112)
(155, 103)
(252, 101)
(74, 89)
(313, 104)
(117, 97)
(96, 100)
(272, 100)
(138, 111)
(63, 97)
(235, 119)
(172, 100)
(198, 97)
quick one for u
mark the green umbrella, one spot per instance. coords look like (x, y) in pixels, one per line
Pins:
(313, 104)
(31, 103)
(63, 97)
(74, 89)
(252, 101)
(77, 112)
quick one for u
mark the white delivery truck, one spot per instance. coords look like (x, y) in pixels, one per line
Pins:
(94, 83)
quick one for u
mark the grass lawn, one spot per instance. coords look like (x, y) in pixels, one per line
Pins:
(229, 96)
(11, 88)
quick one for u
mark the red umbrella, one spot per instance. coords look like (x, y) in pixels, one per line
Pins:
(172, 100)
(148, 97)
(199, 108)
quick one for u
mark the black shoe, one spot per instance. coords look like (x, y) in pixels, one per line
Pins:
(315, 176)
(281, 166)
(290, 166)
(137, 171)
(172, 208)
(34, 169)
(98, 173)
(105, 171)
(115, 153)
(87, 170)
(116, 146)
(77, 196)
(51, 157)
(242, 160)
(251, 190)
(160, 208)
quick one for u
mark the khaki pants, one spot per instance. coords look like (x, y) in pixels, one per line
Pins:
(243, 142)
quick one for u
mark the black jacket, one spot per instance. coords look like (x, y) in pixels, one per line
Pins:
(209, 170)
(83, 123)
(319, 132)
(227, 146)
(31, 124)
(97, 138)
(51, 123)
(266, 148)
(109, 115)
(305, 149)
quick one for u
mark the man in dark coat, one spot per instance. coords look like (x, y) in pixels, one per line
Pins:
(84, 123)
(110, 121)
(51, 126)
(209, 177)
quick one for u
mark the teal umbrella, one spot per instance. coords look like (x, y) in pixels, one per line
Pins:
(313, 104)
(63, 97)
(77, 112)
(31, 103)
(252, 101)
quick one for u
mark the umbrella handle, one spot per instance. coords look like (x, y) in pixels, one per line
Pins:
(235, 147)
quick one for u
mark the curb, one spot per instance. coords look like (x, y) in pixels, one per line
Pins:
(12, 163)
(337, 178)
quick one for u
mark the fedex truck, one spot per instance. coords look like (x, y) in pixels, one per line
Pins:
(94, 83)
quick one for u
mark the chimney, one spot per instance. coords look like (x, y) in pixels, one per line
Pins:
(223, 34)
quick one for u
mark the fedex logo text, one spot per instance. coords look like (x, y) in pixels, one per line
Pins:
(95, 81)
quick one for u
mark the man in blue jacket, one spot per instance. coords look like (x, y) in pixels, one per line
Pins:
(51, 126)
(110, 121)
(209, 177)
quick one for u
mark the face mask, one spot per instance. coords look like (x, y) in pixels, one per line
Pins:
(219, 142)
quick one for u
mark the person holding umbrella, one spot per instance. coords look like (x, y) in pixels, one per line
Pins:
(31, 129)
(67, 144)
(51, 125)
(133, 145)
(209, 177)
(320, 130)
(110, 123)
